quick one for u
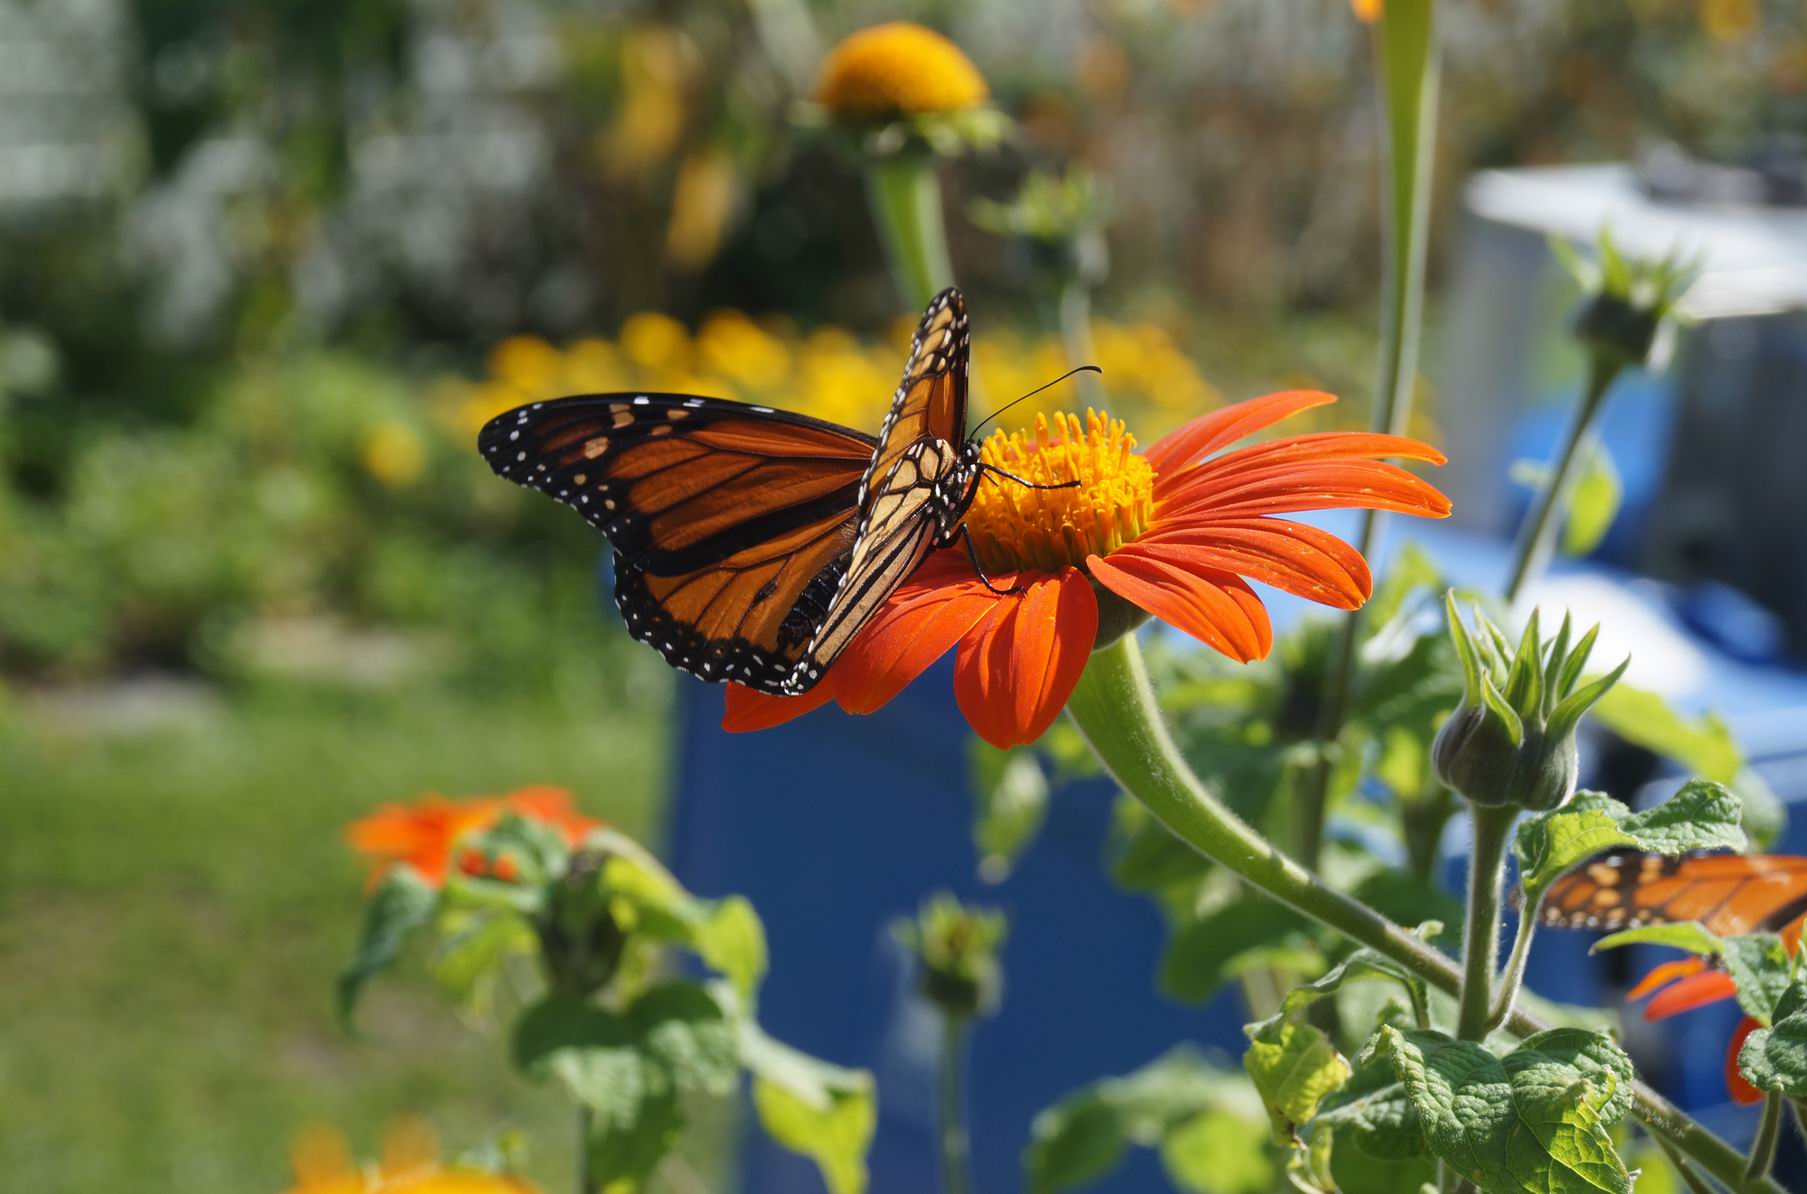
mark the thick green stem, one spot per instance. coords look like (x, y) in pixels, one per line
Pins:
(1481, 940)
(1769, 1134)
(1115, 710)
(906, 205)
(1407, 49)
(1514, 975)
(956, 1148)
(1537, 535)
(586, 1179)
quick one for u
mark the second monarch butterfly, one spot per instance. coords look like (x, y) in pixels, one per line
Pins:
(1730, 894)
(752, 544)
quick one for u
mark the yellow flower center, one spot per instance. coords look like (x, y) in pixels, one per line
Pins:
(899, 68)
(1014, 526)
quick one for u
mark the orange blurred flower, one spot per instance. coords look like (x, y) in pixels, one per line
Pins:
(410, 1165)
(1173, 531)
(426, 833)
(1368, 10)
(898, 69)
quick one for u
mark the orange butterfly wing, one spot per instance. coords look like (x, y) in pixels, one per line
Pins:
(1728, 893)
(732, 524)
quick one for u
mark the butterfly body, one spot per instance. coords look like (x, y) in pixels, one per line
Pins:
(752, 544)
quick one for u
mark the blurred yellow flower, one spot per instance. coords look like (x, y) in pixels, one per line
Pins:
(394, 454)
(701, 202)
(654, 68)
(898, 69)
(1367, 10)
(733, 345)
(1728, 20)
(526, 362)
(410, 1165)
(591, 366)
(655, 341)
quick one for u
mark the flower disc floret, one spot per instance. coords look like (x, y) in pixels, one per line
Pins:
(898, 69)
(1015, 526)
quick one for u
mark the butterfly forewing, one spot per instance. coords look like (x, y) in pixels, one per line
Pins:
(1728, 893)
(916, 487)
(732, 524)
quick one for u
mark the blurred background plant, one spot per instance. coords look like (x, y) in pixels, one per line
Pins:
(268, 268)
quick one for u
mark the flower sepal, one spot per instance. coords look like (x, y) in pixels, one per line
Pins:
(1511, 740)
(956, 950)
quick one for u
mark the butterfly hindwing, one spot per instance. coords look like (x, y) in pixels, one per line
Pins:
(732, 524)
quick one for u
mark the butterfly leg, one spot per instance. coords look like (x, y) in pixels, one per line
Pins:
(972, 553)
(1026, 484)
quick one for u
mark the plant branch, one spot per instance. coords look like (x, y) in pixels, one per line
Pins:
(1513, 977)
(1481, 938)
(1537, 535)
(956, 1148)
(906, 205)
(1769, 1134)
(1408, 67)
(1115, 710)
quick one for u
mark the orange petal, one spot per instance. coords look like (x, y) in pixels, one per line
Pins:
(1325, 445)
(1215, 607)
(1299, 559)
(1694, 991)
(746, 709)
(1663, 975)
(1740, 1090)
(1317, 485)
(1016, 671)
(1207, 433)
(904, 639)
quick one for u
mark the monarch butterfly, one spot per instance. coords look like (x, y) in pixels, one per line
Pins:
(752, 544)
(1730, 894)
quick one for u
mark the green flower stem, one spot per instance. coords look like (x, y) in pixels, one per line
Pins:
(906, 205)
(1537, 535)
(956, 1148)
(586, 1179)
(1513, 977)
(1408, 65)
(1481, 940)
(1115, 710)
(1769, 1134)
(1076, 334)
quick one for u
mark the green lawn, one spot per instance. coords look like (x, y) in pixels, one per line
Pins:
(174, 904)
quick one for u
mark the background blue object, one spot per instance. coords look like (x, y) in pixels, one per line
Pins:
(836, 826)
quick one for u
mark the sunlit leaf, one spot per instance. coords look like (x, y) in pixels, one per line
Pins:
(1012, 796)
(1700, 816)
(1215, 1153)
(823, 1111)
(402, 905)
(1294, 1066)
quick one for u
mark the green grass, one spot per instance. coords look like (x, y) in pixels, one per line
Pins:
(175, 903)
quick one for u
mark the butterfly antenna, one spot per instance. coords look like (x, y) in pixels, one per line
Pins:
(974, 433)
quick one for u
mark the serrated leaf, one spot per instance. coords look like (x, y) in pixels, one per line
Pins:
(826, 1112)
(1085, 1134)
(1210, 950)
(1012, 797)
(1214, 1152)
(1294, 1067)
(402, 904)
(1374, 1113)
(1689, 935)
(1761, 969)
(1534, 1121)
(1700, 816)
(1364, 965)
(1774, 1059)
(630, 1069)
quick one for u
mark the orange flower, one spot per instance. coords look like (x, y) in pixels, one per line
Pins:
(424, 834)
(1174, 531)
(1689, 983)
(1367, 11)
(410, 1165)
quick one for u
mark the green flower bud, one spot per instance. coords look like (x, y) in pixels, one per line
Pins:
(956, 950)
(1512, 738)
(1628, 305)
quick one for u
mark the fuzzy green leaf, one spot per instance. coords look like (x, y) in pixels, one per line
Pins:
(1362, 965)
(1294, 1067)
(1012, 796)
(1775, 1059)
(823, 1111)
(1762, 971)
(1688, 935)
(1374, 1113)
(403, 904)
(1701, 816)
(1534, 1121)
